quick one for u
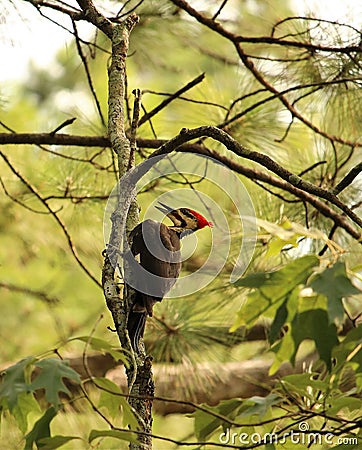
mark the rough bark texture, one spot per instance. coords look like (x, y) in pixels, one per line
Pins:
(139, 374)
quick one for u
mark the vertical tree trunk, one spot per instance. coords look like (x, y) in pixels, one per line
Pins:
(139, 374)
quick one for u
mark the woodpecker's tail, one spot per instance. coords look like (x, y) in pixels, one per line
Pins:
(136, 327)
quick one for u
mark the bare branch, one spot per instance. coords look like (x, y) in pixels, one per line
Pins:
(69, 10)
(310, 168)
(347, 180)
(236, 40)
(93, 16)
(253, 174)
(53, 139)
(234, 146)
(32, 292)
(262, 40)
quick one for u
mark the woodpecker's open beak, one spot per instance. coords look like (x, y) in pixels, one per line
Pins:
(163, 208)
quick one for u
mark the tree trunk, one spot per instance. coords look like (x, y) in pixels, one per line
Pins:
(139, 374)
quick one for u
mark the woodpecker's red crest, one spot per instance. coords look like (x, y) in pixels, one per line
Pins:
(202, 222)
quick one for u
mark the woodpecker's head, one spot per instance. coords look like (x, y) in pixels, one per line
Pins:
(185, 220)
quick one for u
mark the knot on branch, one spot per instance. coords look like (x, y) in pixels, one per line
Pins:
(295, 180)
(131, 21)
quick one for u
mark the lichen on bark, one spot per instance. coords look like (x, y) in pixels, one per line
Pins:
(139, 374)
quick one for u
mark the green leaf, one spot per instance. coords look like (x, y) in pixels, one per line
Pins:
(311, 324)
(50, 443)
(274, 288)
(285, 313)
(206, 424)
(349, 351)
(314, 324)
(304, 385)
(279, 321)
(26, 404)
(104, 347)
(14, 382)
(254, 280)
(112, 399)
(41, 429)
(344, 402)
(51, 378)
(118, 434)
(284, 351)
(310, 302)
(108, 396)
(285, 234)
(129, 417)
(335, 285)
(260, 406)
(269, 446)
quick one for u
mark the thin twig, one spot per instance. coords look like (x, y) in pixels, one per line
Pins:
(310, 168)
(172, 97)
(87, 72)
(16, 200)
(237, 40)
(63, 125)
(33, 292)
(347, 180)
(134, 126)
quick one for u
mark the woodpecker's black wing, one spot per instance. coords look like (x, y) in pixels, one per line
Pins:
(158, 247)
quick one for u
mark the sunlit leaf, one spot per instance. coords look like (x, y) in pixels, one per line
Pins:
(304, 384)
(344, 402)
(273, 289)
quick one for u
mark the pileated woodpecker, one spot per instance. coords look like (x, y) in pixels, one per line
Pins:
(159, 248)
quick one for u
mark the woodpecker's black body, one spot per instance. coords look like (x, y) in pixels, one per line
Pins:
(158, 247)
